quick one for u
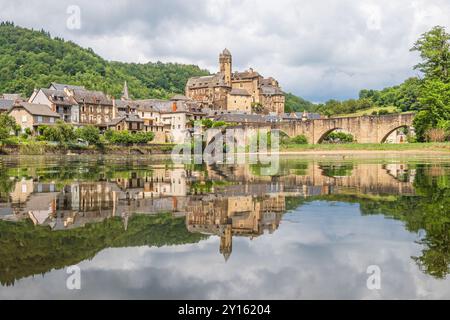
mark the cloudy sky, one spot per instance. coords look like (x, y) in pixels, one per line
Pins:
(318, 49)
(313, 255)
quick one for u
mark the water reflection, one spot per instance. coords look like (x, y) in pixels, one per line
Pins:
(59, 212)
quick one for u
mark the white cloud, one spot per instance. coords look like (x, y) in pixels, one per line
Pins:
(319, 50)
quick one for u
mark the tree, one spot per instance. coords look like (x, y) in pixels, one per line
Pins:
(61, 132)
(90, 134)
(434, 49)
(7, 126)
(435, 108)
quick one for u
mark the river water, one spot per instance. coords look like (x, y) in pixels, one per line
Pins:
(145, 228)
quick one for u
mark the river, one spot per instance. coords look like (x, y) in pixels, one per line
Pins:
(375, 227)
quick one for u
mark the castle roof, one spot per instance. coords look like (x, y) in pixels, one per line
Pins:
(216, 80)
(270, 90)
(239, 92)
(249, 74)
(226, 52)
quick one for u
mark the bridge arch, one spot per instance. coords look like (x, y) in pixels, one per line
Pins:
(325, 134)
(391, 131)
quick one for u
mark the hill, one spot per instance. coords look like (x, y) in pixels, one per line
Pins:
(32, 59)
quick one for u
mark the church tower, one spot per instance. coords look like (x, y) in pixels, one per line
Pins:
(226, 65)
(125, 94)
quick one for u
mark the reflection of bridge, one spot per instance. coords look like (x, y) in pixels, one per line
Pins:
(365, 129)
(361, 178)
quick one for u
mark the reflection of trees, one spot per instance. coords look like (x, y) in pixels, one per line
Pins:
(428, 211)
(27, 250)
(336, 170)
(6, 184)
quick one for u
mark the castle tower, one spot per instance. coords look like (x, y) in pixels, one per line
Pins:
(226, 242)
(226, 65)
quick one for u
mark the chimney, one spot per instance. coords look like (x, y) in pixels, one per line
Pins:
(174, 107)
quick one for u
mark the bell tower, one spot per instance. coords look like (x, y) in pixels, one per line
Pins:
(226, 65)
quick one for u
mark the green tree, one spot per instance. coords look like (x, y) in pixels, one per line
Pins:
(7, 126)
(90, 134)
(434, 49)
(435, 108)
(62, 132)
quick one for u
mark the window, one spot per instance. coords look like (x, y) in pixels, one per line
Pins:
(39, 119)
(24, 119)
(52, 120)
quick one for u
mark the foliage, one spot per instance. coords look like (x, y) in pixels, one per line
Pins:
(90, 134)
(339, 137)
(435, 110)
(207, 123)
(301, 139)
(62, 132)
(7, 125)
(434, 49)
(219, 124)
(257, 108)
(335, 107)
(27, 250)
(33, 59)
(127, 138)
(298, 104)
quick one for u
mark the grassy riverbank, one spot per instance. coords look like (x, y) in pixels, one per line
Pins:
(406, 147)
(45, 148)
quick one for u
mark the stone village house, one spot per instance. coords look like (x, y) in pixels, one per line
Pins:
(31, 116)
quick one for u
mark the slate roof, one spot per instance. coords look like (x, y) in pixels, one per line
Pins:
(5, 105)
(59, 97)
(250, 74)
(11, 96)
(91, 97)
(270, 90)
(216, 80)
(37, 109)
(126, 118)
(239, 92)
(59, 86)
(226, 52)
(240, 118)
(180, 97)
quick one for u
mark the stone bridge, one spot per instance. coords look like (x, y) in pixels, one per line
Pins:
(365, 129)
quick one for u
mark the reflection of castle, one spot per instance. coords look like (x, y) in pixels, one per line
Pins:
(235, 216)
(234, 201)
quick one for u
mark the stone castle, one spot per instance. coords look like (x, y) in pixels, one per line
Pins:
(246, 92)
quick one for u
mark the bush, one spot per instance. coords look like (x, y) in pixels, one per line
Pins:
(90, 134)
(7, 125)
(436, 135)
(219, 124)
(339, 137)
(62, 132)
(301, 139)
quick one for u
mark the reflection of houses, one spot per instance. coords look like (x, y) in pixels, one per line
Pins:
(235, 216)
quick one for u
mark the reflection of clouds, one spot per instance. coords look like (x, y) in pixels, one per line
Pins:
(325, 254)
